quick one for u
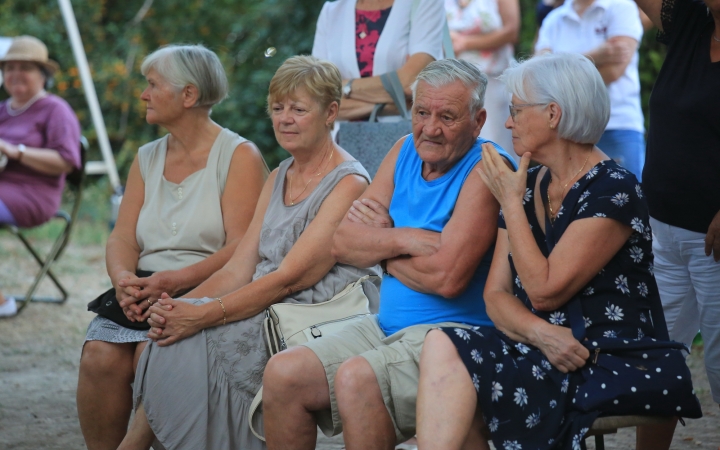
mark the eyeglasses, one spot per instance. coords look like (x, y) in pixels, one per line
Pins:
(514, 108)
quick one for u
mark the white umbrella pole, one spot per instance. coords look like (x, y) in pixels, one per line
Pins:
(90, 94)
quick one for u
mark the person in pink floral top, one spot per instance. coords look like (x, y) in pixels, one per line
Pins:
(39, 141)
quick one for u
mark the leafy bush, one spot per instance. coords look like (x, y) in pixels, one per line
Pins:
(116, 41)
(116, 38)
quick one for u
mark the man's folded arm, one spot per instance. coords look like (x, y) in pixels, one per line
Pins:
(468, 235)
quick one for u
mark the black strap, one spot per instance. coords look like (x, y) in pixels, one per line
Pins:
(577, 321)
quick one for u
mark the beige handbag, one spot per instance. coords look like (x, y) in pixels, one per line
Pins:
(290, 324)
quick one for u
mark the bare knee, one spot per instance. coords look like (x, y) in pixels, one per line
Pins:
(354, 377)
(437, 341)
(107, 361)
(438, 349)
(295, 374)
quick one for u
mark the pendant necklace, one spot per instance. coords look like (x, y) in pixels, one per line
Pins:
(552, 213)
(292, 200)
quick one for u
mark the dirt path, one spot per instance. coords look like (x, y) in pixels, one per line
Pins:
(40, 351)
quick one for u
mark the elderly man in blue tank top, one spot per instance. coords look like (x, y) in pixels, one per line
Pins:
(431, 223)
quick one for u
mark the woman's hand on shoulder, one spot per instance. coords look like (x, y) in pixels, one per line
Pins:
(505, 184)
(173, 320)
(563, 351)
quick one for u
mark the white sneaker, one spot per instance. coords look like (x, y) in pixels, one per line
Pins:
(9, 308)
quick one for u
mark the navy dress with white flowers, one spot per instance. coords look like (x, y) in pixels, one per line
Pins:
(526, 402)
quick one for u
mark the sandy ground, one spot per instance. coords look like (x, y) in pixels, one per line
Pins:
(40, 351)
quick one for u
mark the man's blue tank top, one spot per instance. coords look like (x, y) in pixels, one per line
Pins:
(428, 205)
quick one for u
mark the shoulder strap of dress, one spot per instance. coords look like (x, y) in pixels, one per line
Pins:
(279, 180)
(151, 159)
(222, 153)
(329, 182)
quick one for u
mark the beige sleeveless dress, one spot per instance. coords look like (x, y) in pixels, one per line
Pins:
(197, 392)
(179, 224)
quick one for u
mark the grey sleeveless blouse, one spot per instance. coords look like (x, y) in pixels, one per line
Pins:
(182, 224)
(283, 225)
(222, 367)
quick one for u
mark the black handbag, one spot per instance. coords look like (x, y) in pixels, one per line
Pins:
(634, 377)
(623, 377)
(107, 305)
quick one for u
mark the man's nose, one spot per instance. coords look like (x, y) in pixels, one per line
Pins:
(432, 127)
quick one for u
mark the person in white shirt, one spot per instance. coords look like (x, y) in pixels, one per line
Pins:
(367, 38)
(483, 33)
(608, 32)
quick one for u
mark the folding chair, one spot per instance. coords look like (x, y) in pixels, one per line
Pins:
(74, 184)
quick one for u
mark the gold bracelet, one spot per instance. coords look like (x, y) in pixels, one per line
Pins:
(223, 307)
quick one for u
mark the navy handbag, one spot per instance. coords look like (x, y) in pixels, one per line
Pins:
(634, 377)
(624, 377)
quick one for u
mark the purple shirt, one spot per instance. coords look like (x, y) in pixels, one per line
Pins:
(50, 123)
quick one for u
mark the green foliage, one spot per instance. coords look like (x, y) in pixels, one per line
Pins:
(239, 31)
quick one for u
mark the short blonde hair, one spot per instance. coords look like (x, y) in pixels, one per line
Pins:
(321, 79)
(181, 65)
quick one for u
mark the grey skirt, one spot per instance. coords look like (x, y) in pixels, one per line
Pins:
(102, 329)
(197, 392)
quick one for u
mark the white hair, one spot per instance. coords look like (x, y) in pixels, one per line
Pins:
(181, 65)
(573, 82)
(447, 71)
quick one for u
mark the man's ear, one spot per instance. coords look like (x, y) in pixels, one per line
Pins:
(480, 118)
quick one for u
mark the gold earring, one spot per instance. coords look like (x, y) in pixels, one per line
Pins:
(552, 127)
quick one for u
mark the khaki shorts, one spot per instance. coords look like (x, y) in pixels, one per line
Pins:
(394, 359)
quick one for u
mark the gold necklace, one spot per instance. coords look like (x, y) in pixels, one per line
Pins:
(552, 213)
(292, 200)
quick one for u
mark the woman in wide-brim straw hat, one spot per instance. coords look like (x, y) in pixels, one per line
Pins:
(39, 140)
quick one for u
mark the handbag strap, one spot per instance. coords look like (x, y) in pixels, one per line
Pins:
(257, 401)
(376, 110)
(577, 322)
(393, 86)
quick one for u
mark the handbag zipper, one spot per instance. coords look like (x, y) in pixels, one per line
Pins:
(337, 320)
(317, 326)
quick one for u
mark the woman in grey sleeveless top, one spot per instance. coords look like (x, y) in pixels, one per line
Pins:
(189, 200)
(196, 380)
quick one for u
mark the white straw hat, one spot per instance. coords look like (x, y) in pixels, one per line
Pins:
(28, 48)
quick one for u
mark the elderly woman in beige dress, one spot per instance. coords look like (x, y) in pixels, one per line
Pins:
(189, 200)
(196, 381)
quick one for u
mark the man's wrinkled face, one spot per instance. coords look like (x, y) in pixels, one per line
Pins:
(443, 128)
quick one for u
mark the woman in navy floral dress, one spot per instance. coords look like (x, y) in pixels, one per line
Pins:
(575, 227)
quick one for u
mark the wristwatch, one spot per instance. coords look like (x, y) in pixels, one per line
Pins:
(21, 151)
(347, 89)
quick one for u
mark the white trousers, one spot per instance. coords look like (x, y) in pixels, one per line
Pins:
(689, 284)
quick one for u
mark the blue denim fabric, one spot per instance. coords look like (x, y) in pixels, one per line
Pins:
(626, 147)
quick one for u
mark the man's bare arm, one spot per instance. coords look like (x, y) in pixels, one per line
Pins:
(466, 238)
(363, 243)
